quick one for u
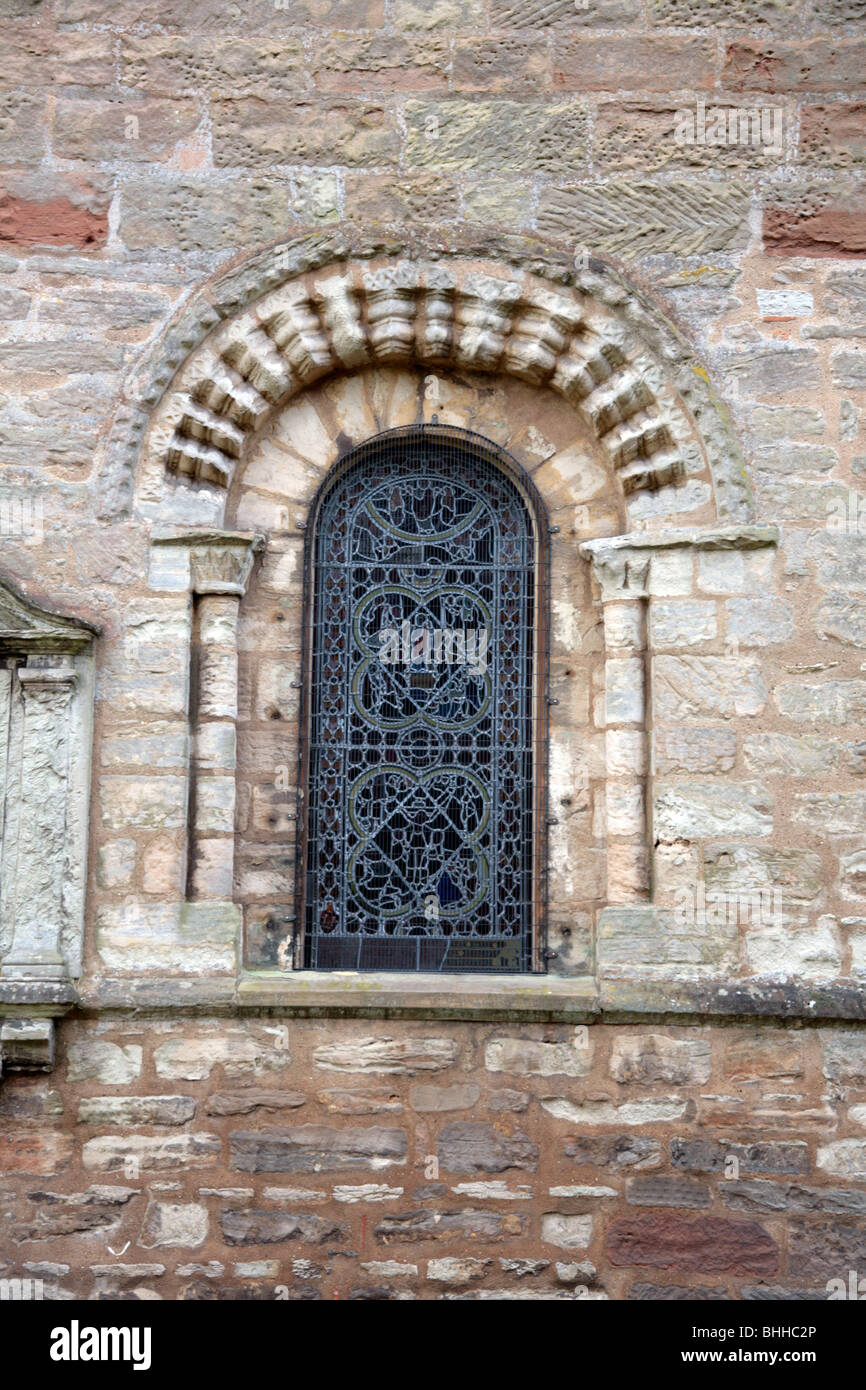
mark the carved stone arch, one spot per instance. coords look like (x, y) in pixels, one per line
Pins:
(269, 329)
(219, 446)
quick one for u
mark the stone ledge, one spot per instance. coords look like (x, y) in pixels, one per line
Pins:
(622, 999)
(615, 998)
(749, 537)
(36, 996)
(531, 998)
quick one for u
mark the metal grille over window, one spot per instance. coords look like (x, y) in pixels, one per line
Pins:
(421, 804)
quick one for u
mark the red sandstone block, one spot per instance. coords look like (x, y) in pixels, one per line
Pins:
(507, 66)
(818, 65)
(140, 130)
(27, 1151)
(836, 229)
(710, 1244)
(381, 63)
(656, 63)
(36, 211)
(833, 135)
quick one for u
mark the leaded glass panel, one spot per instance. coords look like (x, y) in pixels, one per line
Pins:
(420, 843)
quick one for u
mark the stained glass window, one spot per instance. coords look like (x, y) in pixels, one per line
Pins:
(420, 847)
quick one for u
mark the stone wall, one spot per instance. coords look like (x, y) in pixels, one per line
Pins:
(236, 239)
(318, 1159)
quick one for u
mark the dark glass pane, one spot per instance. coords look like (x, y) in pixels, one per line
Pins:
(420, 832)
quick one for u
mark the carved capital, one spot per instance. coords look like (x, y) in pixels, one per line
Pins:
(621, 573)
(222, 564)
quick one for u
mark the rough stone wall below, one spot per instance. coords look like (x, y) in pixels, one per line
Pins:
(325, 1159)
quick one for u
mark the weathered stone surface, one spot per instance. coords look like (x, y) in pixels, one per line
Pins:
(392, 1056)
(787, 755)
(640, 218)
(648, 1058)
(132, 1153)
(360, 1102)
(454, 1270)
(473, 1147)
(773, 948)
(832, 702)
(659, 1191)
(763, 1054)
(682, 623)
(29, 1151)
(713, 1156)
(136, 1110)
(522, 1057)
(837, 813)
(29, 1100)
(461, 1096)
(275, 1227)
(566, 1232)
(844, 1158)
(669, 1293)
(147, 130)
(693, 750)
(695, 810)
(825, 1249)
(316, 1148)
(110, 1064)
(367, 1192)
(708, 1244)
(193, 1059)
(192, 215)
(770, 423)
(257, 133)
(172, 64)
(456, 135)
(732, 869)
(845, 1057)
(244, 1102)
(758, 622)
(701, 687)
(627, 1151)
(602, 1112)
(760, 1196)
(773, 371)
(96, 1212)
(504, 1099)
(174, 1225)
(478, 1227)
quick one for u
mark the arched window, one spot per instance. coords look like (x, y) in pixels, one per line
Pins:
(423, 764)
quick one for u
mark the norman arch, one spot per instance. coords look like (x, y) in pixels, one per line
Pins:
(615, 427)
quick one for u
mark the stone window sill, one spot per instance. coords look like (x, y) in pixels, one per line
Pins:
(531, 998)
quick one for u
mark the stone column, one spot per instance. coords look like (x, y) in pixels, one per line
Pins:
(622, 577)
(220, 569)
(40, 851)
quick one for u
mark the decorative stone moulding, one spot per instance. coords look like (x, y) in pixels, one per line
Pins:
(455, 316)
(326, 304)
(46, 703)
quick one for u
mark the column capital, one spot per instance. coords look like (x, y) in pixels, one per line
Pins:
(621, 573)
(221, 564)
